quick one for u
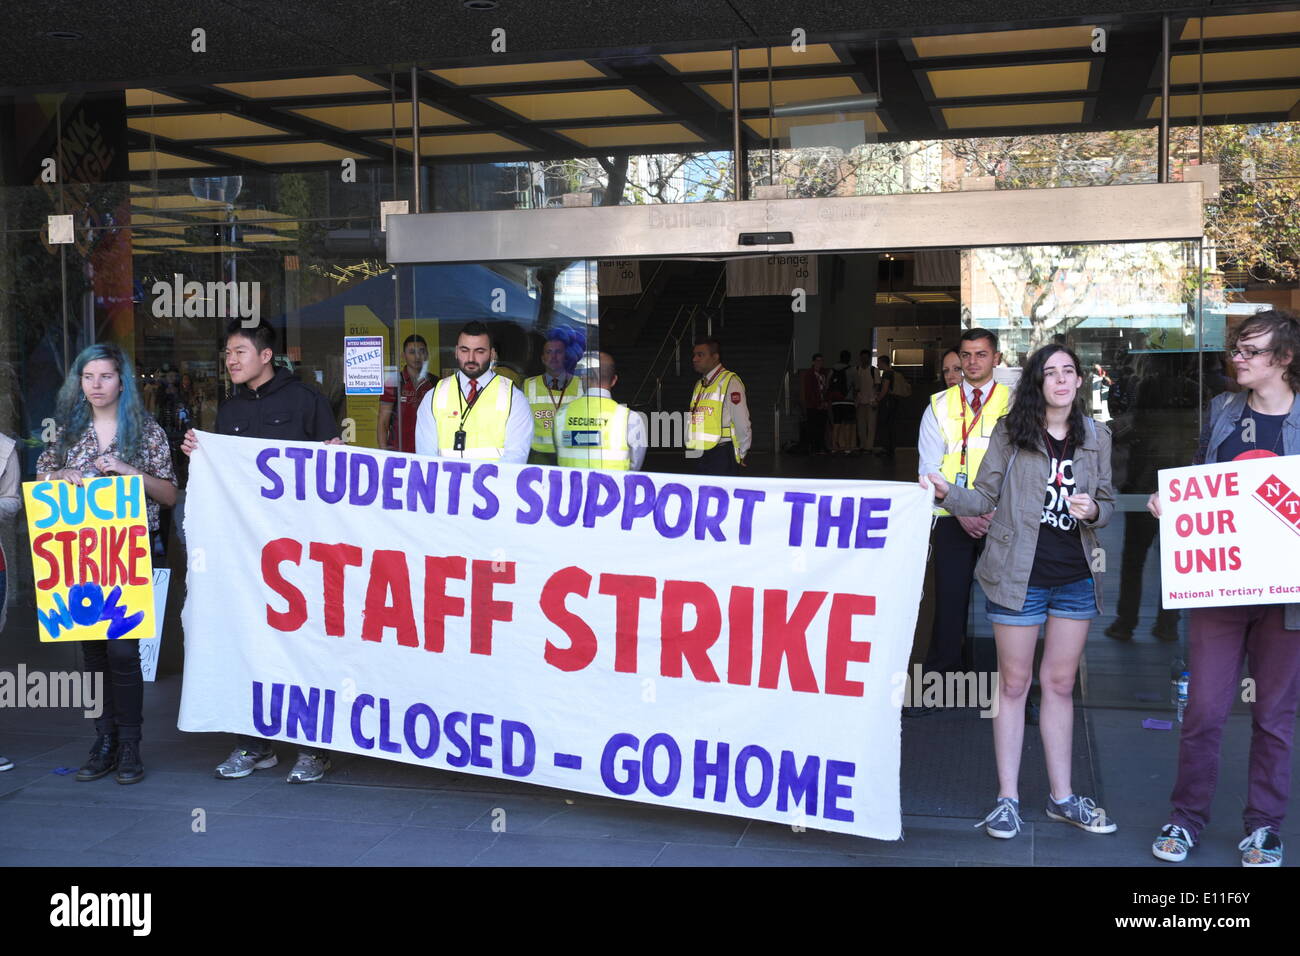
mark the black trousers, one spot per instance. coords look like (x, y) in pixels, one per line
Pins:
(954, 553)
(119, 663)
(816, 430)
(886, 416)
(1140, 530)
(718, 460)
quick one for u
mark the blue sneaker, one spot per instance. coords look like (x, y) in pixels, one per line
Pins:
(1003, 822)
(1081, 812)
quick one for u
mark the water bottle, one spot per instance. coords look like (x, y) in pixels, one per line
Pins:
(1179, 676)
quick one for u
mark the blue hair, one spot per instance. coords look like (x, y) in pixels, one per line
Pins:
(574, 342)
(73, 412)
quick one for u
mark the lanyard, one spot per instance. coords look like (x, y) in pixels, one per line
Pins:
(966, 430)
(1058, 478)
(704, 386)
(465, 409)
(557, 401)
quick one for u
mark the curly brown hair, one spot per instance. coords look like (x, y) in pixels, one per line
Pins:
(1285, 327)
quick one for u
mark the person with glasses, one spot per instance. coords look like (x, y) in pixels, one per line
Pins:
(1261, 420)
(1046, 477)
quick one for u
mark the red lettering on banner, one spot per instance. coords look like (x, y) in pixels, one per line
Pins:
(137, 551)
(840, 646)
(39, 549)
(274, 553)
(117, 571)
(740, 636)
(334, 560)
(1205, 522)
(87, 570)
(66, 538)
(582, 640)
(484, 610)
(1214, 486)
(675, 643)
(437, 603)
(388, 573)
(788, 639)
(628, 591)
(1208, 559)
(105, 556)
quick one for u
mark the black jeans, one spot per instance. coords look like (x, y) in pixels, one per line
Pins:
(119, 664)
(1140, 530)
(955, 553)
(816, 430)
(885, 417)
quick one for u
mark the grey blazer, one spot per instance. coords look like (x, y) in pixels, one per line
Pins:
(1225, 414)
(1012, 481)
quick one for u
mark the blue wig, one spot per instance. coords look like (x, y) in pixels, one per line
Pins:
(73, 412)
(574, 342)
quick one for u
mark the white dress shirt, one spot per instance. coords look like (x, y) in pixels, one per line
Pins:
(930, 443)
(735, 414)
(638, 429)
(519, 427)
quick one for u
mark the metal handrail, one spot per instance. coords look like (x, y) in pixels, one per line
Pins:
(656, 373)
(782, 397)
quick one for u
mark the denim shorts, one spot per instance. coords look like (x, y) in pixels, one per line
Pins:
(1074, 602)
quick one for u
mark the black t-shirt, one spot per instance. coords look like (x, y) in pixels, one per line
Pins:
(1265, 435)
(1059, 559)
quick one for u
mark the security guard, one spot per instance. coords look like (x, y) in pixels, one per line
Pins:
(546, 396)
(954, 436)
(718, 433)
(595, 431)
(474, 413)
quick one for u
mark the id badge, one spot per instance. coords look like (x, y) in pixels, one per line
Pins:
(460, 441)
(960, 480)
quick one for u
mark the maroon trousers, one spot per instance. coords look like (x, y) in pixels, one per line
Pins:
(1219, 640)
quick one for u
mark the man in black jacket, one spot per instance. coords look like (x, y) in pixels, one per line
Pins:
(268, 402)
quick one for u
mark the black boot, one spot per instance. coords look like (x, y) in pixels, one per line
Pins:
(103, 758)
(129, 767)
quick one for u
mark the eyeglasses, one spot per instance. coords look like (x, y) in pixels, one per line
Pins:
(1248, 354)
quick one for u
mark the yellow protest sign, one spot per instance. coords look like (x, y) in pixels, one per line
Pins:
(90, 558)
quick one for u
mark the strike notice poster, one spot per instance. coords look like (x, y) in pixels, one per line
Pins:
(90, 558)
(1230, 533)
(733, 645)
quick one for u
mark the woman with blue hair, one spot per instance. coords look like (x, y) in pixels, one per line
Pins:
(103, 429)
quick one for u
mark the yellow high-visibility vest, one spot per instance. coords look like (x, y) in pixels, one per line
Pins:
(947, 408)
(706, 428)
(593, 434)
(484, 423)
(546, 406)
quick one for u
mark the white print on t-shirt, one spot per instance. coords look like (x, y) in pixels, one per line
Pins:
(1056, 509)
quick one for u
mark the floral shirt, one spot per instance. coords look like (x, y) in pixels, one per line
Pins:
(154, 457)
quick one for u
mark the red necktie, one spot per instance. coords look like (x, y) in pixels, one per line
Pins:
(975, 401)
(473, 390)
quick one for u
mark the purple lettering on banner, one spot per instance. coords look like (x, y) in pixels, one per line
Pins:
(661, 788)
(707, 520)
(270, 726)
(422, 484)
(327, 722)
(423, 751)
(263, 465)
(524, 487)
(719, 769)
(119, 622)
(835, 790)
(457, 470)
(85, 602)
(386, 741)
(392, 482)
(489, 505)
(363, 701)
(356, 494)
(455, 739)
(634, 505)
(867, 523)
(683, 494)
(842, 522)
(798, 501)
(597, 506)
(748, 498)
(743, 794)
(556, 494)
(631, 765)
(299, 458)
(478, 740)
(567, 761)
(510, 730)
(303, 713)
(332, 495)
(798, 784)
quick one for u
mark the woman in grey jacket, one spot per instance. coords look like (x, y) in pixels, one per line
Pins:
(1047, 474)
(1260, 421)
(10, 502)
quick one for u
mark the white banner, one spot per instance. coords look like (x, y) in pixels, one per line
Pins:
(731, 645)
(618, 276)
(1230, 533)
(772, 275)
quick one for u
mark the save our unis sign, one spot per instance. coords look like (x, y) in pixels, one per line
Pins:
(1230, 533)
(729, 645)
